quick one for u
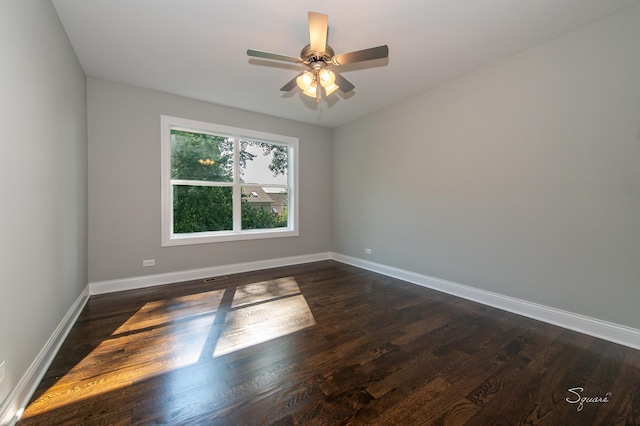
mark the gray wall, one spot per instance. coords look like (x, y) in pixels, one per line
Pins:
(124, 184)
(522, 178)
(43, 174)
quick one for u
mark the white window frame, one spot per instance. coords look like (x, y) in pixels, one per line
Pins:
(169, 238)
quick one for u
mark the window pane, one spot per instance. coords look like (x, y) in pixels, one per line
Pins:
(264, 207)
(202, 209)
(222, 183)
(263, 162)
(198, 156)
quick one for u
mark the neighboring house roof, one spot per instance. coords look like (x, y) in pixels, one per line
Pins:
(255, 194)
(279, 199)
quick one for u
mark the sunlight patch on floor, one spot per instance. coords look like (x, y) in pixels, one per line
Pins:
(159, 312)
(171, 334)
(123, 361)
(264, 291)
(262, 312)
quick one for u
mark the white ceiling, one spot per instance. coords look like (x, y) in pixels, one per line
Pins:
(197, 48)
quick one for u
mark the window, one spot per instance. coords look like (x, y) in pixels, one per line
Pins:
(221, 183)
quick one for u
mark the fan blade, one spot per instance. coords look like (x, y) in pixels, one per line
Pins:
(318, 24)
(343, 84)
(361, 55)
(274, 56)
(290, 85)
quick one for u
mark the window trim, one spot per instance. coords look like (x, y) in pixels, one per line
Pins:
(169, 238)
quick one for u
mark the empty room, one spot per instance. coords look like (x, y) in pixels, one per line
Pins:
(329, 213)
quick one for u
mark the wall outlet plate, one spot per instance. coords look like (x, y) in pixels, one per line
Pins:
(149, 262)
(367, 251)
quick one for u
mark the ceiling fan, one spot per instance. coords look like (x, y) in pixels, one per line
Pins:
(318, 56)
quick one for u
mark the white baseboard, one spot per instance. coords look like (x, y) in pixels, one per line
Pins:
(111, 286)
(16, 401)
(13, 406)
(616, 333)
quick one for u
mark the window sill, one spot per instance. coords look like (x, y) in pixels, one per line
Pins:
(226, 236)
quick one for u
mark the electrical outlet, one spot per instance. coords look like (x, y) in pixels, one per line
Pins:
(1, 371)
(149, 262)
(367, 251)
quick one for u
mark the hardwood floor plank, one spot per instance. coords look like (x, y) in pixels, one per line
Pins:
(325, 344)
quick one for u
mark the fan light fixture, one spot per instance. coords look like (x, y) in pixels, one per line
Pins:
(310, 83)
(317, 56)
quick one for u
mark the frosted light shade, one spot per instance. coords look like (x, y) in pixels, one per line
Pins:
(327, 78)
(305, 80)
(330, 89)
(310, 91)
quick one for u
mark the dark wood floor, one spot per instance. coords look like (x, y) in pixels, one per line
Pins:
(326, 343)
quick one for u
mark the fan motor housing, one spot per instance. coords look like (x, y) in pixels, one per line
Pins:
(309, 56)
